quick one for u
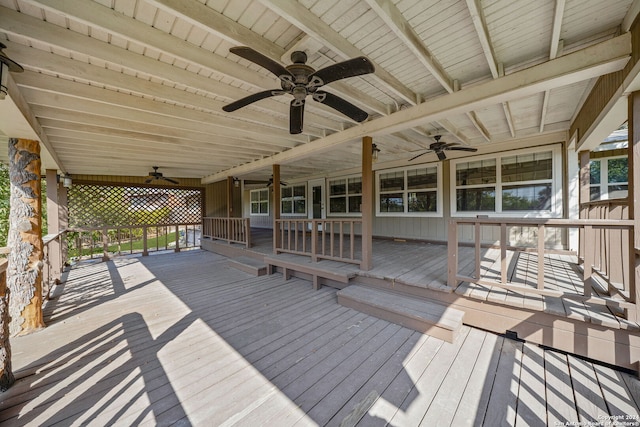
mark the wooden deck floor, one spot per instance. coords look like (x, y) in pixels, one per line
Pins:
(184, 339)
(424, 265)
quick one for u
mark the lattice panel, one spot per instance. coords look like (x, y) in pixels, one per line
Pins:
(99, 205)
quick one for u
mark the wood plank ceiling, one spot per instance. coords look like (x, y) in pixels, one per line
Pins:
(118, 86)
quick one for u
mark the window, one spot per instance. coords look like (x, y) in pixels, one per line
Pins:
(608, 178)
(260, 202)
(294, 200)
(513, 183)
(410, 191)
(345, 195)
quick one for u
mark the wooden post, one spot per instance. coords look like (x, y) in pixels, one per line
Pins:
(276, 207)
(452, 254)
(145, 249)
(634, 198)
(177, 234)
(24, 272)
(367, 204)
(229, 208)
(105, 244)
(584, 196)
(53, 223)
(63, 221)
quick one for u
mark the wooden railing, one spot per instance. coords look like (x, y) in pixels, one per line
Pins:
(596, 235)
(330, 239)
(96, 242)
(231, 230)
(608, 244)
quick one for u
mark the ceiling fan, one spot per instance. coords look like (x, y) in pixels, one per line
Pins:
(300, 80)
(268, 183)
(156, 176)
(440, 147)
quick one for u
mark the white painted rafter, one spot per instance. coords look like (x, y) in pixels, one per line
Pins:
(477, 17)
(298, 15)
(554, 50)
(585, 64)
(391, 16)
(206, 18)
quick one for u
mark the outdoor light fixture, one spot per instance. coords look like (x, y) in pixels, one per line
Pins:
(67, 181)
(6, 65)
(374, 152)
(236, 182)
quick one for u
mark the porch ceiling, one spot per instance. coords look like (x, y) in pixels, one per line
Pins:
(113, 87)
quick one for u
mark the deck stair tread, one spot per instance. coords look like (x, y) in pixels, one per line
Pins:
(249, 265)
(416, 313)
(333, 270)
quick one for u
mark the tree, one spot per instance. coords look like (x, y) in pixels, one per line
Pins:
(4, 204)
(24, 270)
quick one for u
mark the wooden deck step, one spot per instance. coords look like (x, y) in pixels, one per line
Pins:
(418, 314)
(335, 273)
(249, 265)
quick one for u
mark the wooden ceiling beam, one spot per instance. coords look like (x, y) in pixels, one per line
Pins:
(60, 102)
(594, 61)
(480, 24)
(301, 17)
(389, 13)
(222, 142)
(34, 29)
(204, 17)
(554, 50)
(82, 97)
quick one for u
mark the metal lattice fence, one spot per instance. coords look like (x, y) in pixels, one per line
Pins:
(93, 205)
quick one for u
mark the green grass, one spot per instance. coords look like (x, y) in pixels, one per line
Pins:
(126, 246)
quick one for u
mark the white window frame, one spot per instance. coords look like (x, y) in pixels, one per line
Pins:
(251, 202)
(604, 178)
(438, 190)
(345, 196)
(293, 198)
(556, 184)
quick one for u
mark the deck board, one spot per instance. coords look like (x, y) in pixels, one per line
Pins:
(531, 410)
(136, 341)
(560, 402)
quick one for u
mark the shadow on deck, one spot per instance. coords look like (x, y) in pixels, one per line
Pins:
(184, 339)
(419, 269)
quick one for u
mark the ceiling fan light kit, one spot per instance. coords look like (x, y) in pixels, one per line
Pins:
(300, 80)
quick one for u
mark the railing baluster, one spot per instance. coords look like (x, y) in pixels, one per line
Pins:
(476, 238)
(304, 236)
(588, 259)
(503, 253)
(452, 254)
(314, 241)
(352, 243)
(541, 238)
(341, 238)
